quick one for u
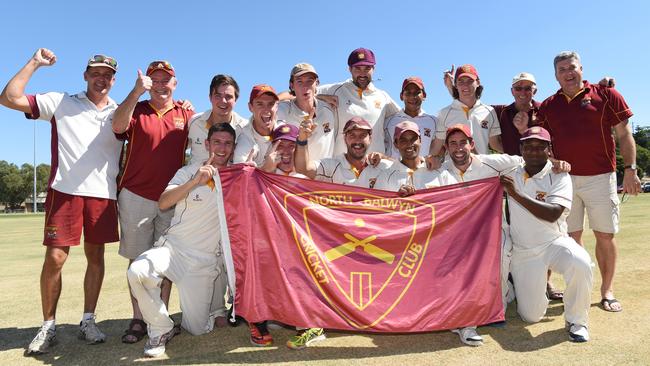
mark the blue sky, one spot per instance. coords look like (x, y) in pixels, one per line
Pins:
(259, 42)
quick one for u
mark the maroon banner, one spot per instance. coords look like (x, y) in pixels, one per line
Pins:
(314, 254)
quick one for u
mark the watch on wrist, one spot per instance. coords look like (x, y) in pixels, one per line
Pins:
(301, 142)
(631, 166)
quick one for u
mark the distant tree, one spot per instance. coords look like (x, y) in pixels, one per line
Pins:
(12, 185)
(642, 136)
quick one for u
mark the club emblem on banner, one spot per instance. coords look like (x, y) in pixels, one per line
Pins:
(364, 265)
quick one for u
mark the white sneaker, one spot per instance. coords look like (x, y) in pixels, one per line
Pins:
(578, 333)
(43, 340)
(89, 332)
(469, 336)
(155, 346)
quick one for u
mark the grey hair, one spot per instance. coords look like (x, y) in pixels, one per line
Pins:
(565, 55)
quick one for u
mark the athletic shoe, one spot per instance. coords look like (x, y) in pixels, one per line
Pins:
(43, 340)
(155, 346)
(469, 336)
(578, 333)
(306, 337)
(260, 335)
(89, 331)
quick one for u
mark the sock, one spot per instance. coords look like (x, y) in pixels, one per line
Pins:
(49, 324)
(87, 316)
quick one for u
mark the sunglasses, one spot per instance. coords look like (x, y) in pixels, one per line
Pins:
(102, 59)
(160, 65)
(522, 88)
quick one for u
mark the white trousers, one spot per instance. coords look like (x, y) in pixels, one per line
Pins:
(563, 256)
(194, 277)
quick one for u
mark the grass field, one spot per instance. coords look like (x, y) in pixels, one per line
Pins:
(616, 338)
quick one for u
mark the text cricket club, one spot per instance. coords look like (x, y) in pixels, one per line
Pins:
(372, 261)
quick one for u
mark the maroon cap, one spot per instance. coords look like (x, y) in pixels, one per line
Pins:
(466, 70)
(536, 132)
(459, 127)
(404, 126)
(357, 123)
(413, 80)
(361, 57)
(262, 89)
(285, 132)
(161, 65)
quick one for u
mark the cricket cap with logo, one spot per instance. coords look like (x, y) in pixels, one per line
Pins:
(357, 123)
(523, 76)
(536, 132)
(459, 127)
(404, 126)
(262, 89)
(285, 132)
(161, 65)
(466, 70)
(361, 57)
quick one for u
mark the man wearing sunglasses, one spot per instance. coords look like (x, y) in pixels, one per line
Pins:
(82, 191)
(156, 130)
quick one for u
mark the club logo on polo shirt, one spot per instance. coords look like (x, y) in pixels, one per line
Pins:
(540, 196)
(326, 127)
(349, 102)
(427, 132)
(378, 104)
(197, 198)
(371, 182)
(198, 141)
(179, 123)
(360, 270)
(484, 123)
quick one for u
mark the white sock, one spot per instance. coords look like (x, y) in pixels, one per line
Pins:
(49, 324)
(87, 316)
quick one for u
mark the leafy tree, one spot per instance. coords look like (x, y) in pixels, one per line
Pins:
(16, 184)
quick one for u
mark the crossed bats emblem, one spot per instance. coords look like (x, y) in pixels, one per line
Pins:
(353, 243)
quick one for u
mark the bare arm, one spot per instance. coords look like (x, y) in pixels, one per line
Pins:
(495, 143)
(436, 147)
(13, 95)
(545, 211)
(301, 157)
(124, 112)
(631, 182)
(173, 195)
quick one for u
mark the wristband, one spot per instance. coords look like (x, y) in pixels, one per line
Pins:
(301, 142)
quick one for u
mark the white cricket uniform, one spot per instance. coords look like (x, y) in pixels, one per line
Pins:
(539, 245)
(321, 142)
(481, 118)
(190, 255)
(339, 170)
(252, 140)
(399, 174)
(372, 104)
(426, 122)
(198, 132)
(87, 152)
(292, 173)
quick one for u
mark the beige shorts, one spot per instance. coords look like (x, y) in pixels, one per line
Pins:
(597, 195)
(141, 223)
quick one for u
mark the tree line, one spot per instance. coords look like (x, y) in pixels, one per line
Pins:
(17, 183)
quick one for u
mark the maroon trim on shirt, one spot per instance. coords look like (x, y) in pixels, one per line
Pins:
(36, 113)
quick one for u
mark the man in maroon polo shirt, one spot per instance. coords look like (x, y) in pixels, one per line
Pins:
(156, 131)
(580, 118)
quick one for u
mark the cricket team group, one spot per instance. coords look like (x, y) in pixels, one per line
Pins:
(126, 163)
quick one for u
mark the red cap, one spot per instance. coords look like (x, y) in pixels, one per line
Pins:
(414, 80)
(536, 132)
(361, 57)
(404, 126)
(262, 89)
(459, 127)
(466, 70)
(285, 132)
(161, 65)
(357, 123)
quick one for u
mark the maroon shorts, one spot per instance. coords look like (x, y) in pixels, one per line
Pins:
(66, 215)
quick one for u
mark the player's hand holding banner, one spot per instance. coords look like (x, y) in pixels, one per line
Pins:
(314, 254)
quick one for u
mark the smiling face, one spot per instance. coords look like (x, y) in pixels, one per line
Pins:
(222, 145)
(413, 97)
(535, 152)
(467, 89)
(568, 73)
(362, 75)
(523, 92)
(459, 147)
(100, 80)
(162, 87)
(408, 145)
(264, 109)
(357, 142)
(304, 86)
(223, 101)
(286, 150)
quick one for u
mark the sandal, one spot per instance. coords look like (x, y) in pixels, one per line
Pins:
(133, 335)
(607, 305)
(553, 293)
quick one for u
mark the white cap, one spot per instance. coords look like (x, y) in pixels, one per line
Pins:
(523, 76)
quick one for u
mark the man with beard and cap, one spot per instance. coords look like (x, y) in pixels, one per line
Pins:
(468, 109)
(255, 140)
(224, 93)
(352, 167)
(540, 202)
(411, 172)
(306, 108)
(358, 97)
(413, 94)
(156, 132)
(189, 253)
(82, 192)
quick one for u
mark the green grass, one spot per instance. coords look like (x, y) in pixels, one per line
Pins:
(616, 338)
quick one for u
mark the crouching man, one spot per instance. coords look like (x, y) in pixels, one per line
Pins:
(540, 202)
(189, 253)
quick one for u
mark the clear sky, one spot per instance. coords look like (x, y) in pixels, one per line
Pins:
(259, 42)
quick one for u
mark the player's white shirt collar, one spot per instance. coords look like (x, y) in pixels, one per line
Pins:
(540, 175)
(82, 95)
(370, 88)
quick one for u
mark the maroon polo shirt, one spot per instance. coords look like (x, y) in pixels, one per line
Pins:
(581, 128)
(509, 134)
(155, 149)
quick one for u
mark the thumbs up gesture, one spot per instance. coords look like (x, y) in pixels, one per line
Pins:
(142, 83)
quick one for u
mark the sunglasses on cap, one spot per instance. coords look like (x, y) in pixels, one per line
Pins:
(160, 65)
(102, 59)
